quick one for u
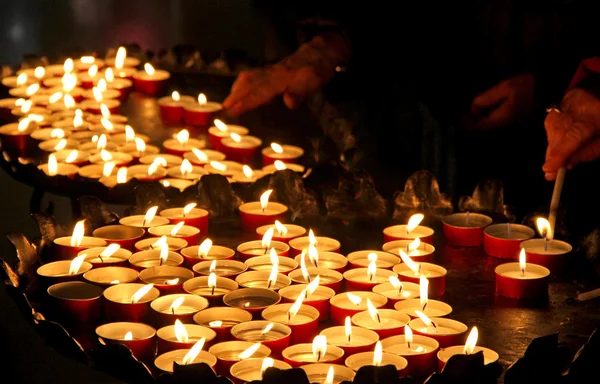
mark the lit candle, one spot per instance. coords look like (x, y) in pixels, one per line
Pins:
(317, 352)
(203, 156)
(187, 171)
(171, 107)
(123, 63)
(106, 114)
(419, 351)
(276, 336)
(522, 280)
(194, 355)
(383, 260)
(225, 168)
(94, 105)
(303, 320)
(504, 240)
(138, 337)
(328, 260)
(206, 251)
(284, 153)
(144, 221)
(315, 295)
(223, 268)
(183, 336)
(107, 276)
(67, 247)
(262, 247)
(416, 249)
(54, 168)
(327, 277)
(446, 332)
(221, 130)
(265, 263)
(182, 143)
(230, 352)
(222, 319)
(72, 156)
(365, 279)
(147, 172)
(180, 230)
(55, 145)
(105, 256)
(377, 358)
(386, 322)
(240, 148)
(547, 251)
(166, 278)
(348, 304)
(153, 258)
(101, 92)
(128, 302)
(247, 176)
(252, 369)
(150, 81)
(85, 62)
(328, 373)
(431, 308)
(279, 165)
(322, 244)
(120, 159)
(123, 86)
(63, 270)
(263, 279)
(282, 232)
(182, 307)
(200, 113)
(351, 339)
(465, 229)
(16, 136)
(164, 159)
(409, 231)
(412, 272)
(470, 347)
(395, 290)
(7, 105)
(211, 287)
(253, 300)
(17, 81)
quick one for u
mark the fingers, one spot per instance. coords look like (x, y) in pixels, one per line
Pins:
(566, 145)
(251, 90)
(589, 152)
(491, 97)
(498, 117)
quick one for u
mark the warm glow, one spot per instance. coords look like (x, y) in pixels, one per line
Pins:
(348, 329)
(93, 71)
(128, 336)
(281, 229)
(102, 141)
(32, 89)
(319, 346)
(188, 209)
(221, 126)
(20, 101)
(78, 233)
(372, 257)
(377, 354)
(115, 282)
(109, 251)
(426, 320)
(105, 111)
(150, 213)
(129, 134)
(181, 333)
(423, 291)
(544, 228)
(330, 376)
(373, 312)
(23, 125)
(249, 351)
(149, 69)
(77, 120)
(200, 155)
(471, 341)
(273, 276)
(267, 328)
(160, 243)
(303, 267)
(52, 165)
(235, 137)
(276, 148)
(69, 102)
(409, 262)
(101, 85)
(204, 248)
(26, 107)
(183, 136)
(21, 79)
(372, 270)
(312, 287)
(312, 238)
(408, 336)
(414, 245)
(87, 59)
(97, 94)
(296, 306)
(193, 352)
(62, 144)
(39, 72)
(164, 252)
(279, 165)
(69, 82)
(72, 156)
(266, 239)
(248, 172)
(186, 167)
(216, 323)
(120, 58)
(414, 222)
(273, 257)
(354, 299)
(213, 266)
(176, 304)
(313, 254)
(218, 166)
(108, 168)
(202, 99)
(76, 264)
(267, 363)
(160, 161)
(140, 145)
(78, 113)
(396, 283)
(68, 65)
(105, 155)
(522, 261)
(36, 118)
(122, 175)
(55, 97)
(175, 96)
(107, 124)
(175, 230)
(212, 281)
(137, 296)
(109, 75)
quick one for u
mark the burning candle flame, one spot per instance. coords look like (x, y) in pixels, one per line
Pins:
(423, 291)
(248, 352)
(69, 101)
(416, 268)
(273, 257)
(267, 328)
(188, 209)
(128, 336)
(372, 270)
(281, 229)
(122, 175)
(181, 333)
(303, 269)
(319, 347)
(202, 99)
(311, 238)
(212, 282)
(414, 222)
(235, 137)
(296, 306)
(377, 354)
(312, 287)
(24, 124)
(186, 167)
(52, 165)
(408, 336)
(248, 172)
(21, 79)
(114, 282)
(102, 141)
(176, 304)
(39, 72)
(137, 296)
(101, 86)
(62, 144)
(172, 281)
(204, 248)
(87, 59)
(175, 96)
(273, 276)
(149, 69)
(183, 136)
(396, 283)
(213, 266)
(120, 57)
(32, 89)
(279, 165)
(160, 161)
(544, 228)
(104, 111)
(150, 213)
(348, 329)
(108, 168)
(522, 261)
(414, 245)
(109, 251)
(78, 233)
(76, 264)
(140, 145)
(373, 312)
(313, 255)
(26, 107)
(55, 97)
(20, 101)
(164, 252)
(175, 230)
(471, 341)
(72, 156)
(330, 376)
(68, 65)
(105, 155)
(35, 118)
(218, 166)
(354, 299)
(129, 134)
(216, 323)
(193, 352)
(426, 320)
(200, 155)
(93, 71)
(221, 126)
(77, 119)
(69, 82)
(109, 75)
(276, 148)
(267, 363)
(266, 239)
(97, 94)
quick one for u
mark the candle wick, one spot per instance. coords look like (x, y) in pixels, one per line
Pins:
(379, 318)
(316, 264)
(523, 272)
(101, 259)
(269, 284)
(400, 289)
(408, 344)
(160, 261)
(173, 310)
(424, 306)
(546, 243)
(152, 247)
(213, 290)
(318, 355)
(420, 268)
(309, 279)
(289, 316)
(349, 338)
(407, 248)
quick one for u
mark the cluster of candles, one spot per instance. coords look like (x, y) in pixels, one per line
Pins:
(70, 113)
(198, 302)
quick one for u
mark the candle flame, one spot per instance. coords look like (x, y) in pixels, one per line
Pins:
(120, 58)
(281, 229)
(218, 166)
(128, 336)
(248, 172)
(101, 86)
(202, 99)
(122, 175)
(68, 65)
(93, 71)
(296, 306)
(348, 329)
(248, 352)
(212, 281)
(105, 155)
(97, 94)
(39, 72)
(26, 107)
(175, 96)
(109, 251)
(62, 144)
(544, 228)
(20, 101)
(104, 111)
(372, 270)
(408, 336)
(273, 257)
(35, 118)
(72, 156)
(267, 363)
(164, 252)
(377, 354)
(24, 124)
(76, 264)
(181, 334)
(130, 134)
(276, 148)
(77, 119)
(279, 165)
(312, 240)
(312, 287)
(267, 328)
(176, 304)
(149, 69)
(409, 262)
(69, 82)
(32, 89)
(235, 137)
(188, 209)
(200, 155)
(55, 97)
(216, 323)
(152, 168)
(313, 254)
(193, 352)
(172, 281)
(396, 283)
(221, 126)
(114, 282)
(78, 233)
(414, 245)
(204, 248)
(354, 299)
(213, 266)
(183, 136)
(303, 269)
(137, 296)
(102, 141)
(186, 167)
(522, 261)
(330, 376)
(175, 230)
(471, 341)
(109, 75)
(273, 276)
(69, 102)
(426, 320)
(319, 346)
(373, 312)
(160, 161)
(21, 79)
(150, 213)
(423, 290)
(414, 222)
(87, 59)
(266, 239)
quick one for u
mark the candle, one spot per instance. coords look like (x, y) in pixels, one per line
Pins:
(54, 168)
(107, 94)
(154, 258)
(470, 347)
(431, 308)
(303, 320)
(211, 287)
(253, 300)
(504, 240)
(183, 307)
(230, 352)
(182, 143)
(17, 81)
(172, 243)
(328, 260)
(522, 280)
(383, 260)
(276, 336)
(315, 295)
(282, 232)
(187, 171)
(385, 322)
(164, 159)
(419, 351)
(225, 168)
(240, 148)
(124, 235)
(327, 277)
(128, 302)
(85, 62)
(150, 81)
(265, 263)
(416, 249)
(395, 290)
(547, 252)
(72, 156)
(138, 337)
(119, 158)
(15, 136)
(221, 130)
(323, 244)
(263, 279)
(97, 171)
(203, 156)
(258, 213)
(144, 221)
(412, 272)
(247, 176)
(409, 231)
(145, 172)
(190, 215)
(465, 229)
(179, 231)
(183, 336)
(318, 352)
(193, 355)
(222, 319)
(252, 369)
(279, 165)
(76, 302)
(200, 113)
(206, 252)
(348, 304)
(167, 278)
(67, 247)
(259, 248)
(171, 107)
(376, 358)
(104, 256)
(222, 268)
(107, 276)
(446, 332)
(6, 105)
(105, 114)
(351, 339)
(54, 145)
(63, 270)
(328, 373)
(93, 106)
(121, 60)
(284, 153)
(364, 279)
(122, 85)
(24, 92)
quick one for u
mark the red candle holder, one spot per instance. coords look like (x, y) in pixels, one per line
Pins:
(319, 299)
(119, 158)
(141, 344)
(434, 273)
(171, 108)
(142, 172)
(284, 234)
(263, 263)
(76, 302)
(323, 244)
(168, 341)
(399, 232)
(423, 253)
(253, 215)
(107, 276)
(342, 306)
(197, 217)
(120, 306)
(174, 243)
(277, 338)
(151, 84)
(215, 134)
(465, 229)
(384, 260)
(54, 144)
(552, 255)
(260, 279)
(514, 282)
(200, 115)
(200, 286)
(80, 159)
(149, 259)
(125, 236)
(395, 294)
(304, 325)
(328, 260)
(298, 355)
(255, 248)
(253, 300)
(242, 151)
(59, 272)
(327, 277)
(447, 332)
(420, 362)
(222, 319)
(445, 354)
(223, 268)
(284, 153)
(166, 309)
(203, 157)
(228, 353)
(188, 233)
(392, 323)
(226, 168)
(358, 279)
(362, 340)
(16, 141)
(166, 361)
(504, 240)
(364, 359)
(65, 251)
(196, 254)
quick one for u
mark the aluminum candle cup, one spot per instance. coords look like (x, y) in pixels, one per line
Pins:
(319, 299)
(423, 254)
(249, 370)
(65, 251)
(515, 283)
(434, 308)
(260, 279)
(59, 271)
(327, 260)
(200, 286)
(197, 217)
(188, 233)
(342, 307)
(148, 259)
(222, 319)
(421, 354)
(399, 232)
(277, 338)
(125, 236)
(504, 240)
(141, 344)
(364, 359)
(465, 229)
(107, 276)
(324, 244)
(166, 310)
(209, 155)
(228, 352)
(263, 263)
(175, 244)
(392, 322)
(298, 355)
(76, 302)
(253, 300)
(385, 260)
(215, 135)
(293, 231)
(167, 279)
(434, 273)
(255, 248)
(393, 294)
(94, 257)
(139, 221)
(446, 332)
(119, 306)
(253, 216)
(168, 341)
(166, 361)
(317, 373)
(358, 279)
(361, 340)
(552, 256)
(489, 356)
(327, 277)
(290, 154)
(304, 325)
(223, 268)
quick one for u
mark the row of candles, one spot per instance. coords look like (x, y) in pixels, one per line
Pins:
(387, 295)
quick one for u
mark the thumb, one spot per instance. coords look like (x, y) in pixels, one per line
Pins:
(578, 134)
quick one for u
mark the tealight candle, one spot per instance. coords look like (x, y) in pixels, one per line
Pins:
(385, 322)
(365, 279)
(258, 213)
(76, 302)
(240, 148)
(318, 352)
(434, 308)
(230, 352)
(446, 332)
(419, 351)
(465, 229)
(522, 280)
(63, 270)
(394, 291)
(351, 339)
(95, 147)
(303, 320)
(166, 278)
(226, 168)
(323, 244)
(253, 300)
(172, 243)
(119, 158)
(128, 302)
(223, 268)
(93, 106)
(111, 255)
(182, 143)
(246, 371)
(107, 276)
(138, 337)
(348, 304)
(108, 94)
(260, 248)
(416, 249)
(67, 247)
(206, 252)
(85, 62)
(124, 235)
(144, 221)
(145, 172)
(179, 231)
(54, 145)
(154, 258)
(97, 171)
(183, 336)
(187, 171)
(282, 232)
(409, 231)
(16, 136)
(183, 307)
(190, 215)
(136, 149)
(265, 263)
(377, 358)
(180, 184)
(412, 272)
(247, 176)
(328, 260)
(203, 156)
(211, 288)
(75, 124)
(72, 156)
(164, 159)
(504, 240)
(200, 113)
(276, 336)
(547, 252)
(222, 319)
(6, 105)
(278, 165)
(327, 277)
(315, 295)
(470, 347)
(166, 361)
(284, 153)
(17, 81)
(150, 81)
(107, 115)
(171, 107)
(383, 260)
(121, 61)
(53, 168)
(263, 279)
(328, 373)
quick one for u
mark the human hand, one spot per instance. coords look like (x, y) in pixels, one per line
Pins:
(506, 103)
(573, 132)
